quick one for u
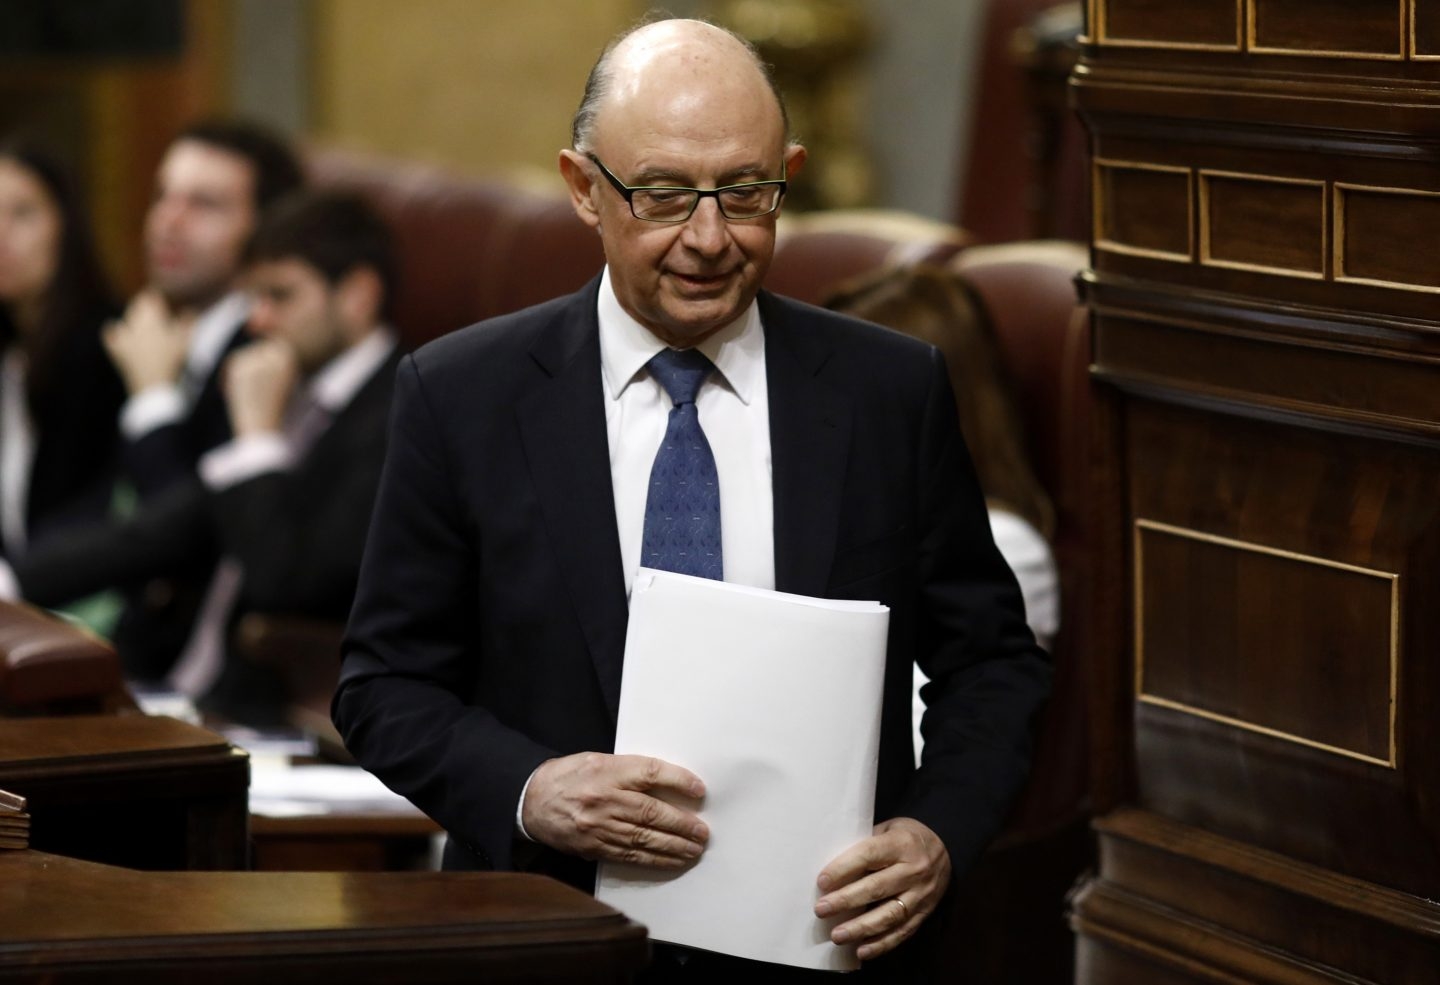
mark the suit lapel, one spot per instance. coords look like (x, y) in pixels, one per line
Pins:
(809, 447)
(562, 423)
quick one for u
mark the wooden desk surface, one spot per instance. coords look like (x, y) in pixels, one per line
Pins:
(81, 921)
(107, 745)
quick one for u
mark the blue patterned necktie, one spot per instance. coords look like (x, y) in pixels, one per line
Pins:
(682, 509)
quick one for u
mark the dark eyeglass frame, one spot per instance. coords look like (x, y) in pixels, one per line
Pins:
(627, 192)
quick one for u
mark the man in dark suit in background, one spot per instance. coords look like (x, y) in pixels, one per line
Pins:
(482, 667)
(213, 184)
(285, 502)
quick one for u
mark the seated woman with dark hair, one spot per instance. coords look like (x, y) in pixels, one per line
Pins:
(937, 306)
(59, 394)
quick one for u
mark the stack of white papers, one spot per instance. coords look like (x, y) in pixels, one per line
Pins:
(773, 700)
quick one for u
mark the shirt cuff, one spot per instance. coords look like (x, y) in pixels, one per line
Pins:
(151, 408)
(10, 592)
(520, 808)
(244, 458)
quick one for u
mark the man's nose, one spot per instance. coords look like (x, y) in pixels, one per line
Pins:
(706, 231)
(164, 214)
(262, 317)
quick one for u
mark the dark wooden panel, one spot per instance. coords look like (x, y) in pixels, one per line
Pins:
(1193, 895)
(70, 921)
(173, 795)
(1388, 236)
(1143, 209)
(1318, 668)
(1263, 223)
(1327, 26)
(1354, 500)
(1329, 383)
(1425, 21)
(1196, 22)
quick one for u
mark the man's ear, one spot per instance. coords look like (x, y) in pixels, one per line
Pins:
(795, 156)
(360, 296)
(574, 168)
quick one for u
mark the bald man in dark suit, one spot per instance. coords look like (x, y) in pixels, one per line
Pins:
(482, 668)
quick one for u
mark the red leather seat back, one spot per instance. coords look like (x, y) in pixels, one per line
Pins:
(817, 252)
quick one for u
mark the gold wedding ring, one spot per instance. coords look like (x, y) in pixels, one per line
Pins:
(903, 908)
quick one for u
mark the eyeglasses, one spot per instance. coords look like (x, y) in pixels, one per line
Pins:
(663, 203)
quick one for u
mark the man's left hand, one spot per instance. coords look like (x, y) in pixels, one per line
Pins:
(903, 860)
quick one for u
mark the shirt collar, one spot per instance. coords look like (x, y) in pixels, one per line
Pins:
(335, 384)
(213, 330)
(737, 350)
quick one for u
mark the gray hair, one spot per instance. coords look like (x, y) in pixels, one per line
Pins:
(597, 86)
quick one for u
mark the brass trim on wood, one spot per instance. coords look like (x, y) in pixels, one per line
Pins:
(1204, 208)
(1338, 240)
(1098, 210)
(1101, 32)
(1399, 56)
(1142, 525)
(1411, 49)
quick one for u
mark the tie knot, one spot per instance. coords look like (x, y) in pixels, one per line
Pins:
(680, 372)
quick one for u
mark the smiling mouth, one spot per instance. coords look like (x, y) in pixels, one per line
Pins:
(701, 281)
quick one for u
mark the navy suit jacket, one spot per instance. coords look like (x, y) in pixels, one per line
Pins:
(489, 625)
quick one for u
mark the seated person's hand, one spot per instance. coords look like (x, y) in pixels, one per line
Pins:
(600, 806)
(258, 382)
(148, 344)
(903, 860)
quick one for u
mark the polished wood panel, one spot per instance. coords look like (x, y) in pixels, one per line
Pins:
(1215, 883)
(1207, 23)
(1321, 676)
(69, 921)
(1424, 30)
(342, 842)
(1353, 501)
(1143, 209)
(1266, 224)
(1339, 27)
(1377, 235)
(1316, 377)
(146, 792)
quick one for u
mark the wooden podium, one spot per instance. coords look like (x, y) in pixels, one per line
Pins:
(1266, 301)
(158, 794)
(66, 921)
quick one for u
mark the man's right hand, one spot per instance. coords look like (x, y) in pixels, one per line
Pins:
(148, 345)
(600, 806)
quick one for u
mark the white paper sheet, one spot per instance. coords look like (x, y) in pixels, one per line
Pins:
(773, 700)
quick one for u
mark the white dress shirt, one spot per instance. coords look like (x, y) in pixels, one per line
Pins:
(166, 403)
(734, 409)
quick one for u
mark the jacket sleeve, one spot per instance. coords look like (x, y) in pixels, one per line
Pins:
(988, 677)
(411, 650)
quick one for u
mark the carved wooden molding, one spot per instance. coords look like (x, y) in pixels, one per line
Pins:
(1253, 45)
(1248, 29)
(1102, 20)
(1208, 252)
(1147, 695)
(1424, 200)
(1105, 234)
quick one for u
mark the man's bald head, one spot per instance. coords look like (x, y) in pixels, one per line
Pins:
(633, 51)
